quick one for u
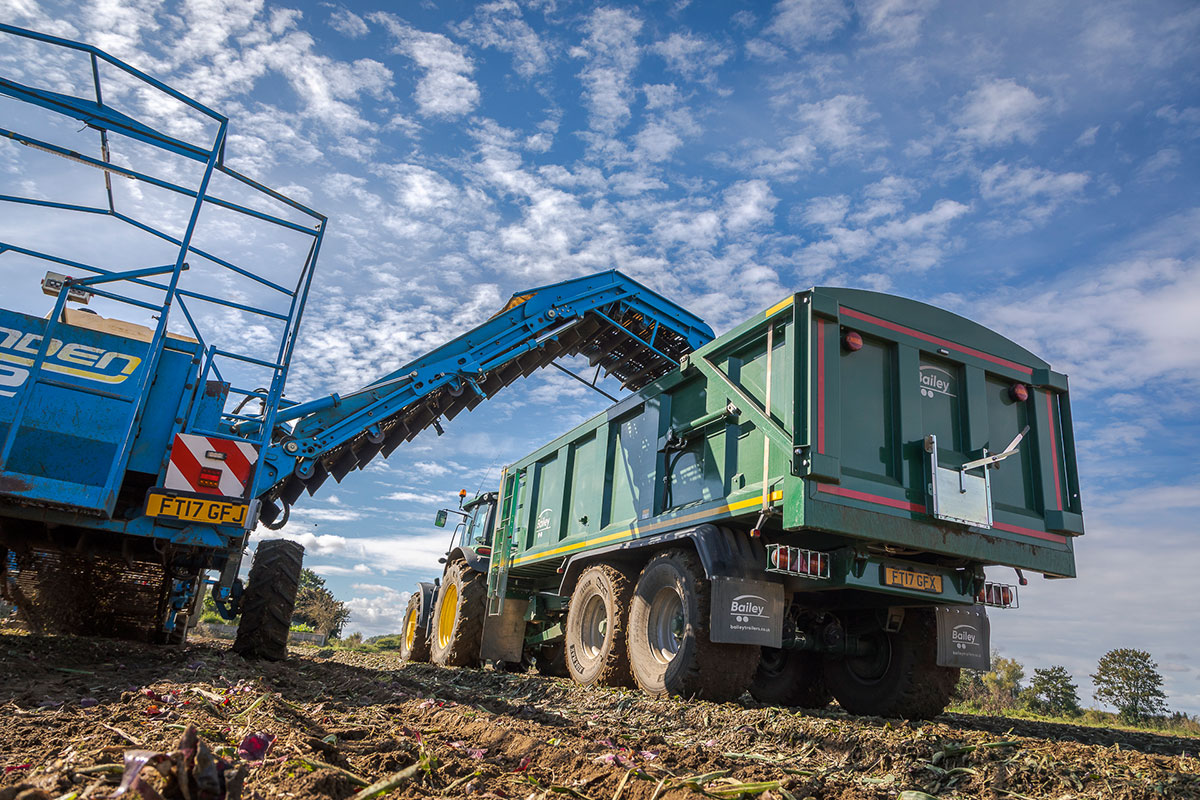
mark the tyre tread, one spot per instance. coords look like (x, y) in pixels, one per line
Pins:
(269, 601)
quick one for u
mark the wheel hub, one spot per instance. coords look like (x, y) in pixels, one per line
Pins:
(593, 627)
(446, 617)
(667, 624)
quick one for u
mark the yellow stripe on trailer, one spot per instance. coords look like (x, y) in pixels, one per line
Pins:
(631, 533)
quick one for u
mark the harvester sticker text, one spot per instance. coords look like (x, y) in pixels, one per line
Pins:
(18, 349)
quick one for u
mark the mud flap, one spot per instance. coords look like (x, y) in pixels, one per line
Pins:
(746, 611)
(964, 637)
(504, 633)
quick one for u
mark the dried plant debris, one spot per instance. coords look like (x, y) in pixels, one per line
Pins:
(365, 725)
(190, 771)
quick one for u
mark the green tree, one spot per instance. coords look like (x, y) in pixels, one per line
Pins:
(1003, 683)
(317, 607)
(1052, 692)
(1128, 680)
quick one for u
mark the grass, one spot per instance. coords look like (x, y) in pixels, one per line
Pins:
(1092, 718)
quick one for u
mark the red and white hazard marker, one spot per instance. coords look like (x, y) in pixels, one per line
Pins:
(210, 465)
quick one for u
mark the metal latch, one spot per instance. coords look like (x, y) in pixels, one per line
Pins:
(958, 495)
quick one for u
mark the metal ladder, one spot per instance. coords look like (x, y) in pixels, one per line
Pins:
(502, 553)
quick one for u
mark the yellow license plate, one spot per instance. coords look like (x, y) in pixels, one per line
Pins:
(193, 509)
(907, 579)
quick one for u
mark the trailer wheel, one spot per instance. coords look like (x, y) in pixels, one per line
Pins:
(458, 617)
(789, 678)
(596, 648)
(669, 649)
(414, 645)
(552, 660)
(901, 678)
(269, 600)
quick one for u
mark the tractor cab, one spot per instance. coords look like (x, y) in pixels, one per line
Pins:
(476, 519)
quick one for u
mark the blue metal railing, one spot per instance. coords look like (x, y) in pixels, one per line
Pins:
(171, 290)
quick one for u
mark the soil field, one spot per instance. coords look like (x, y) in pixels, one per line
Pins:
(332, 722)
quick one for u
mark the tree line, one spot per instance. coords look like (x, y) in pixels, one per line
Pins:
(1125, 679)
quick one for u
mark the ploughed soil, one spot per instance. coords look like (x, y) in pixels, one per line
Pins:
(70, 708)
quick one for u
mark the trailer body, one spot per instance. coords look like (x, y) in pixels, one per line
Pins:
(834, 462)
(849, 465)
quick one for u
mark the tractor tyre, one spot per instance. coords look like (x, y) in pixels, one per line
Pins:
(414, 643)
(669, 649)
(269, 600)
(596, 647)
(901, 678)
(457, 626)
(788, 678)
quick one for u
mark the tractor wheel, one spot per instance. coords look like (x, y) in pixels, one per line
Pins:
(669, 649)
(458, 617)
(788, 678)
(269, 600)
(414, 646)
(596, 648)
(901, 677)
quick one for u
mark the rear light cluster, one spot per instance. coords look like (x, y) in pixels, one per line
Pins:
(999, 595)
(794, 561)
(210, 477)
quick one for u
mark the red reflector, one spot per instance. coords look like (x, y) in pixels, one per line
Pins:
(210, 477)
(852, 341)
(1019, 392)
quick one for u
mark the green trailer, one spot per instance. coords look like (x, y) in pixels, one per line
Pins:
(805, 508)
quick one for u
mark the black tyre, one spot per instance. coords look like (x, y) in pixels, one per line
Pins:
(414, 644)
(669, 649)
(457, 625)
(552, 660)
(789, 678)
(901, 677)
(596, 648)
(269, 600)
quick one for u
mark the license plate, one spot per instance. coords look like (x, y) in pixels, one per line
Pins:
(907, 579)
(194, 509)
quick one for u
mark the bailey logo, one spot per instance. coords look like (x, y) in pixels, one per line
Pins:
(965, 637)
(936, 380)
(745, 606)
(544, 521)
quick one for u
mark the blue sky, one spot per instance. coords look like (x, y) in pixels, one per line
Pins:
(1030, 165)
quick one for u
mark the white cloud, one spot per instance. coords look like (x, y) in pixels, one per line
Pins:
(414, 497)
(1035, 192)
(1164, 161)
(999, 112)
(796, 22)
(1088, 137)
(348, 23)
(934, 221)
(826, 211)
(897, 22)
(692, 56)
(612, 52)
(446, 88)
(748, 204)
(837, 122)
(1146, 299)
(501, 25)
